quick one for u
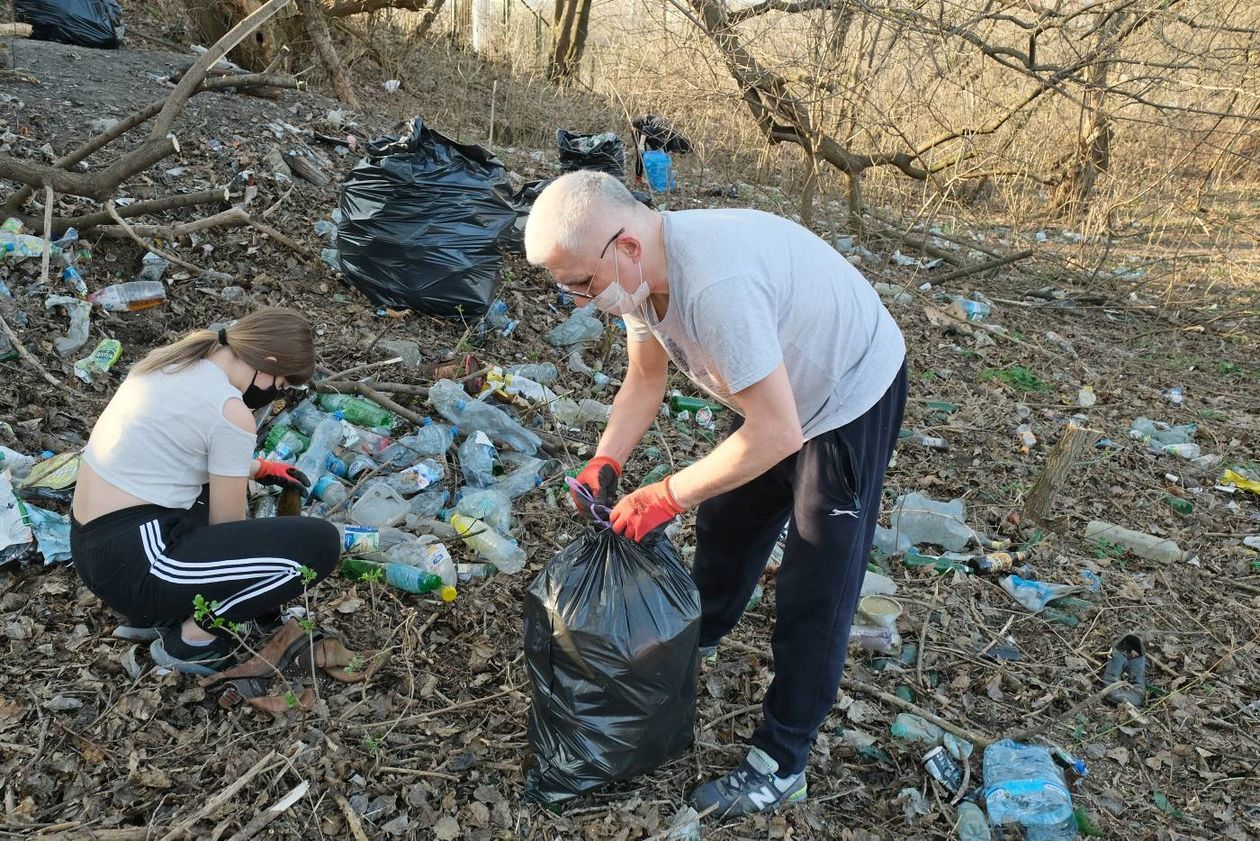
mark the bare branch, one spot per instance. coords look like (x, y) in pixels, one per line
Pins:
(785, 6)
(363, 7)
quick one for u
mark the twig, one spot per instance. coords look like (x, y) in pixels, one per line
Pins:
(364, 390)
(275, 810)
(918, 664)
(285, 240)
(232, 216)
(366, 366)
(48, 206)
(967, 271)
(417, 772)
(431, 713)
(356, 827)
(1024, 732)
(181, 828)
(30, 359)
(207, 273)
(216, 195)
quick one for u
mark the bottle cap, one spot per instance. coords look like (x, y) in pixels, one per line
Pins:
(447, 593)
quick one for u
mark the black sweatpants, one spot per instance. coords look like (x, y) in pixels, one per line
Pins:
(831, 489)
(149, 562)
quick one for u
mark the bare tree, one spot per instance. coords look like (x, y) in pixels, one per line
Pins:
(570, 20)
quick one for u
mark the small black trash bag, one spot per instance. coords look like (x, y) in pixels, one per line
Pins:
(423, 223)
(604, 152)
(611, 630)
(84, 23)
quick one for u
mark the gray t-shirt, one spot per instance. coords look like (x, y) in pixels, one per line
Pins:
(748, 290)
(163, 434)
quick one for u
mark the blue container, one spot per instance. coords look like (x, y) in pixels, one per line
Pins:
(660, 171)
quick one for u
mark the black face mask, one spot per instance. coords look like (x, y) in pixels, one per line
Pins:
(255, 397)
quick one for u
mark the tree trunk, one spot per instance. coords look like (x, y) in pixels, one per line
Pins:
(1059, 464)
(212, 19)
(317, 29)
(568, 39)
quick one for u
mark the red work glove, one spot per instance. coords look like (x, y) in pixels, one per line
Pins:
(281, 475)
(644, 510)
(600, 478)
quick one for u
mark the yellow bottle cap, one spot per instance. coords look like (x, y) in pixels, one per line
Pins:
(447, 593)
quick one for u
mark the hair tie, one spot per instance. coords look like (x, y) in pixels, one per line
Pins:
(223, 336)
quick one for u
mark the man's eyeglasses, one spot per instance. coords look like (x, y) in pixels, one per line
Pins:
(579, 287)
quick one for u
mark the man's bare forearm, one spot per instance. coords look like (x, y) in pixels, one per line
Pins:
(633, 410)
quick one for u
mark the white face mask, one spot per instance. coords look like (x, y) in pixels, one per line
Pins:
(615, 300)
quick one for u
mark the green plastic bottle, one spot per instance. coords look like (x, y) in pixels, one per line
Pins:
(407, 578)
(680, 403)
(358, 411)
(288, 437)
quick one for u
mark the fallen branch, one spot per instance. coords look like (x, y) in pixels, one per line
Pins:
(275, 810)
(181, 828)
(15, 30)
(49, 198)
(1033, 729)
(283, 239)
(170, 258)
(228, 218)
(1059, 463)
(979, 268)
(60, 224)
(356, 826)
(364, 390)
(317, 29)
(30, 359)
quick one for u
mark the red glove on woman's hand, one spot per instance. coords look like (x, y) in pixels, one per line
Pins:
(281, 475)
(600, 478)
(644, 510)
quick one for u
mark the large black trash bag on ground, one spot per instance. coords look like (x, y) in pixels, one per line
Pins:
(604, 152)
(85, 23)
(423, 220)
(611, 630)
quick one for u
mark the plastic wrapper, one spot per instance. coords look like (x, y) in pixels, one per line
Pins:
(86, 23)
(423, 221)
(611, 634)
(16, 540)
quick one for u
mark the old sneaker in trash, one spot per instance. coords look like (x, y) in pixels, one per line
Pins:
(752, 787)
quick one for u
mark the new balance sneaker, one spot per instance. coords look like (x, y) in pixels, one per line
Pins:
(170, 651)
(752, 787)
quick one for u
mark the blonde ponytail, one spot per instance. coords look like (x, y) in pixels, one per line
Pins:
(280, 333)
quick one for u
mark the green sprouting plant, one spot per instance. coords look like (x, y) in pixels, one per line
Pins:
(357, 662)
(291, 699)
(203, 609)
(307, 624)
(308, 575)
(375, 575)
(1017, 377)
(371, 744)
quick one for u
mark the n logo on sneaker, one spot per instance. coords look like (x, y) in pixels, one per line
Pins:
(763, 797)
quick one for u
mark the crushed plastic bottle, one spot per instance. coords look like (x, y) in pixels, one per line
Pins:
(874, 637)
(489, 505)
(80, 312)
(543, 373)
(129, 297)
(1035, 595)
(314, 459)
(1159, 436)
(1027, 440)
(919, 519)
(476, 460)
(1024, 786)
(1139, 543)
(379, 505)
(1086, 398)
(453, 403)
(525, 478)
(357, 410)
(428, 554)
(913, 728)
(329, 490)
(152, 267)
(421, 476)
(581, 326)
(427, 505)
(971, 824)
(970, 310)
(506, 555)
(285, 436)
(18, 464)
(74, 281)
(432, 439)
(99, 362)
(579, 412)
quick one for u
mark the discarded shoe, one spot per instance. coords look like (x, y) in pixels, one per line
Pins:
(1128, 662)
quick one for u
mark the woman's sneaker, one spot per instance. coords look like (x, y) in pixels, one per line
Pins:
(170, 651)
(752, 787)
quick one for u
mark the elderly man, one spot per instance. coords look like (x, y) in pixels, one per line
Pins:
(771, 321)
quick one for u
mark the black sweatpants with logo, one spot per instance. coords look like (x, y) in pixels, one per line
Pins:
(831, 490)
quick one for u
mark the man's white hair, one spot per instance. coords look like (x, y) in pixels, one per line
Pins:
(574, 211)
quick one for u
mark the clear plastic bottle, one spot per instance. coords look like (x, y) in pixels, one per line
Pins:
(314, 460)
(581, 326)
(427, 504)
(305, 416)
(971, 824)
(426, 553)
(874, 638)
(1035, 595)
(490, 505)
(366, 441)
(1024, 786)
(919, 519)
(407, 578)
(357, 410)
(19, 463)
(503, 552)
(476, 460)
(432, 439)
(542, 373)
(130, 296)
(380, 505)
(1139, 543)
(419, 477)
(518, 482)
(329, 490)
(453, 403)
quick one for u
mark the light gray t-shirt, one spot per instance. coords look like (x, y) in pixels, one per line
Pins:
(163, 434)
(748, 290)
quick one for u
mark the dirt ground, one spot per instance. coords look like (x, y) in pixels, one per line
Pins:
(434, 745)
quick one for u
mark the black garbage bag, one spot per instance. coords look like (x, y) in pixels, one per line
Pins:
(611, 630)
(604, 152)
(651, 131)
(423, 223)
(85, 23)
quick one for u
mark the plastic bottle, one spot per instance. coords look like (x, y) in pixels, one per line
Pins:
(99, 362)
(1159, 434)
(129, 297)
(581, 326)
(682, 403)
(412, 480)
(476, 460)
(542, 373)
(328, 489)
(1027, 440)
(525, 478)
(919, 519)
(970, 310)
(432, 439)
(359, 465)
(874, 638)
(912, 728)
(380, 505)
(305, 416)
(357, 410)
(359, 540)
(368, 442)
(428, 554)
(19, 464)
(453, 403)
(971, 824)
(1139, 543)
(503, 552)
(1024, 786)
(152, 267)
(427, 504)
(1035, 595)
(281, 435)
(313, 461)
(929, 441)
(490, 505)
(406, 578)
